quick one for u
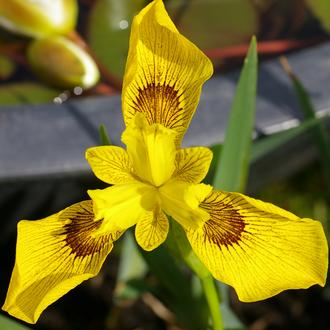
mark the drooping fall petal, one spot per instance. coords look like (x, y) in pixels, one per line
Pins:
(258, 248)
(54, 255)
(164, 71)
(192, 164)
(122, 205)
(151, 149)
(151, 229)
(110, 164)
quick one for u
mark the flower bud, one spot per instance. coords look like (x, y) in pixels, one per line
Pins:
(60, 62)
(38, 18)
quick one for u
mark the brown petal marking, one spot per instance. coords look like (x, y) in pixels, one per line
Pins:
(79, 225)
(226, 224)
(160, 103)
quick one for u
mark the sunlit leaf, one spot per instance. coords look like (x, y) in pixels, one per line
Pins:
(321, 9)
(109, 29)
(235, 155)
(26, 93)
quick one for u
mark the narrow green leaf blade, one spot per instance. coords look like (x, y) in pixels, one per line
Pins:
(104, 136)
(234, 161)
(268, 144)
(8, 324)
(320, 133)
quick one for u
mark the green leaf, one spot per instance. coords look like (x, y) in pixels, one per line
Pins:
(132, 267)
(216, 150)
(176, 289)
(7, 67)
(230, 320)
(178, 238)
(26, 93)
(104, 136)
(214, 19)
(109, 29)
(235, 155)
(269, 143)
(321, 9)
(8, 324)
(319, 132)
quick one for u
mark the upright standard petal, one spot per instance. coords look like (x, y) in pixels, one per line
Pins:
(192, 164)
(164, 71)
(151, 149)
(54, 255)
(110, 164)
(259, 248)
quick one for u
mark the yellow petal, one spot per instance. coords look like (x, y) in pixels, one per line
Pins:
(151, 229)
(181, 201)
(152, 150)
(192, 164)
(54, 255)
(258, 248)
(122, 205)
(164, 71)
(110, 164)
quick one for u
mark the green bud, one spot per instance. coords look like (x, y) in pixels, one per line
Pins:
(60, 62)
(38, 18)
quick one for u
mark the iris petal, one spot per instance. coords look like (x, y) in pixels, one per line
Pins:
(258, 248)
(152, 150)
(152, 229)
(110, 164)
(54, 255)
(164, 72)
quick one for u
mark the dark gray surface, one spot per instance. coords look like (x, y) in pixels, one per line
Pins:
(50, 139)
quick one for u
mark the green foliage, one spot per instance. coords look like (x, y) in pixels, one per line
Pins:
(266, 145)
(320, 134)
(26, 93)
(233, 166)
(104, 136)
(8, 324)
(197, 19)
(7, 67)
(109, 30)
(321, 9)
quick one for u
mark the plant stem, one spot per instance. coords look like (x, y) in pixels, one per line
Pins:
(211, 294)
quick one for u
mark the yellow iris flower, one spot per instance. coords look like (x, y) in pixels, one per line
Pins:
(256, 247)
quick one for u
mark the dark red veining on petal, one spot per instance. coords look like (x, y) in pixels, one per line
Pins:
(160, 104)
(79, 227)
(226, 224)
